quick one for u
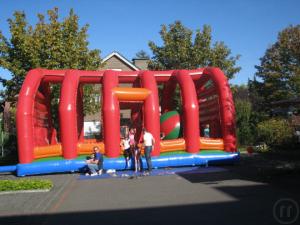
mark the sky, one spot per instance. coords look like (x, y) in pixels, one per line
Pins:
(247, 27)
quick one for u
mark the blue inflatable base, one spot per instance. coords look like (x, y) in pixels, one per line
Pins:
(176, 160)
(11, 168)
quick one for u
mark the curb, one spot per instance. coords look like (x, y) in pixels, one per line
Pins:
(24, 191)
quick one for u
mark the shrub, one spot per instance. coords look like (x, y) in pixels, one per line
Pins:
(275, 132)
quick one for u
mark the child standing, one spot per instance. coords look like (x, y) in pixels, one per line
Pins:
(137, 159)
(206, 131)
(132, 140)
(125, 143)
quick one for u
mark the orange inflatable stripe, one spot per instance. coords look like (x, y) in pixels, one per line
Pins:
(47, 151)
(172, 145)
(87, 148)
(90, 140)
(131, 94)
(211, 143)
(165, 146)
(179, 144)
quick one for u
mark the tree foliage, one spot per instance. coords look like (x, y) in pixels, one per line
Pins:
(52, 43)
(244, 115)
(181, 51)
(142, 55)
(243, 121)
(240, 92)
(279, 70)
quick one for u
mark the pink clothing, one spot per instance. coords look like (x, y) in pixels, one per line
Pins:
(131, 139)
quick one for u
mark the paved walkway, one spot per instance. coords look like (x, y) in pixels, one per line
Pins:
(221, 197)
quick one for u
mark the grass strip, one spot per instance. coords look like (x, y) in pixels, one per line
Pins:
(25, 184)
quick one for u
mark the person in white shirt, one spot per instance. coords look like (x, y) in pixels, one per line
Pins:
(149, 142)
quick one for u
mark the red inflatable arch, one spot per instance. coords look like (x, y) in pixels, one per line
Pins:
(206, 99)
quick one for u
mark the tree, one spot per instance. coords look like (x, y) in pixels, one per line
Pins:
(142, 55)
(240, 92)
(255, 87)
(180, 51)
(279, 70)
(244, 115)
(49, 44)
(243, 121)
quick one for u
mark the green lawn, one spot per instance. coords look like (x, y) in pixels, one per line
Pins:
(25, 184)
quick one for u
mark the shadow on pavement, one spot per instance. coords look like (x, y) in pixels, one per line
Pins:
(218, 213)
(210, 178)
(243, 209)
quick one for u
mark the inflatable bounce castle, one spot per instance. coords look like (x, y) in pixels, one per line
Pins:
(206, 100)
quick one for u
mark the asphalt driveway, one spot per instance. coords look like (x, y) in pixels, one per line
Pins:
(219, 197)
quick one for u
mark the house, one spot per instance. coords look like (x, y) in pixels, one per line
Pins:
(114, 61)
(286, 107)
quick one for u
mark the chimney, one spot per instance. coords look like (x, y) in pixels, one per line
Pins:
(141, 63)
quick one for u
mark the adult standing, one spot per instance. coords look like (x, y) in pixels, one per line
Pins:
(149, 142)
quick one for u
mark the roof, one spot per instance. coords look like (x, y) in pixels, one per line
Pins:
(122, 58)
(144, 58)
(286, 102)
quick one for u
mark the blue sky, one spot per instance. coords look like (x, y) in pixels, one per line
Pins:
(126, 26)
